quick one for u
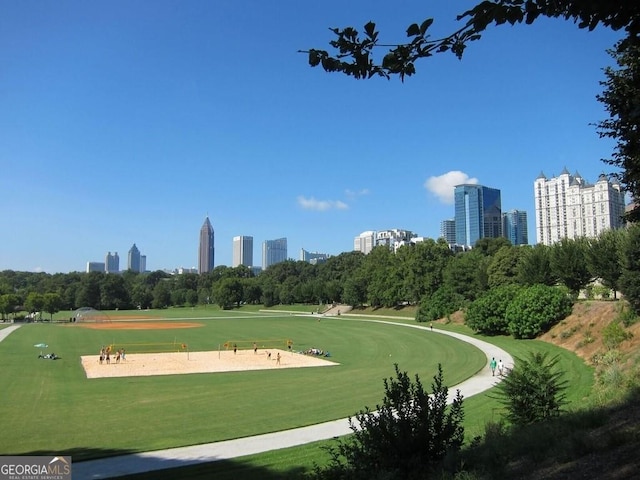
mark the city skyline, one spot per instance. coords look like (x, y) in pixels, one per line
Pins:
(129, 121)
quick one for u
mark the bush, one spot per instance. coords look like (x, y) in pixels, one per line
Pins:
(443, 302)
(410, 432)
(614, 334)
(533, 390)
(487, 314)
(537, 308)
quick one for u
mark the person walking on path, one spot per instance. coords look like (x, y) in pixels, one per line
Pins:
(500, 367)
(492, 365)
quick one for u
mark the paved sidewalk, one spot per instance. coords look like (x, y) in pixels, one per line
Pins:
(211, 452)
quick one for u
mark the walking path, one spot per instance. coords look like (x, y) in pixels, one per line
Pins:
(183, 456)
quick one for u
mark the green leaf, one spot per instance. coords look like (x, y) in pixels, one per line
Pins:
(370, 29)
(425, 25)
(413, 30)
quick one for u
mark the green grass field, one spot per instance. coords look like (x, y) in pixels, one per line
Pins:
(49, 406)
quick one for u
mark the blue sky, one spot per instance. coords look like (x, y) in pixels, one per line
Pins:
(131, 121)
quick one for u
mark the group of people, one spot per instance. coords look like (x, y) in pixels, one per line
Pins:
(105, 355)
(316, 351)
(499, 365)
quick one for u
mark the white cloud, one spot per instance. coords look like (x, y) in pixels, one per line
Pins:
(358, 193)
(442, 186)
(321, 205)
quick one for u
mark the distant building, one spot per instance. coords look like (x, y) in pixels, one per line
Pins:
(133, 262)
(242, 251)
(143, 263)
(478, 213)
(395, 238)
(448, 230)
(313, 257)
(273, 251)
(365, 242)
(207, 249)
(95, 267)
(514, 227)
(567, 206)
(112, 263)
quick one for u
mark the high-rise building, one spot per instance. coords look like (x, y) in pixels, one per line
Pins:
(207, 249)
(133, 262)
(112, 263)
(514, 227)
(242, 251)
(567, 206)
(478, 213)
(95, 267)
(448, 230)
(313, 257)
(394, 238)
(365, 242)
(273, 251)
(143, 263)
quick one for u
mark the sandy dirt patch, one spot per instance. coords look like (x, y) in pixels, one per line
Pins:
(176, 363)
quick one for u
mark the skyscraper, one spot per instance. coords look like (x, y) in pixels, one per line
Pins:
(207, 249)
(273, 251)
(514, 227)
(448, 230)
(133, 263)
(567, 206)
(112, 263)
(478, 213)
(242, 251)
(365, 242)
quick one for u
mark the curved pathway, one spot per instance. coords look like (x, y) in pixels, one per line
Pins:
(183, 456)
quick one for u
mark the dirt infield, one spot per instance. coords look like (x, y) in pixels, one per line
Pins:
(176, 363)
(132, 325)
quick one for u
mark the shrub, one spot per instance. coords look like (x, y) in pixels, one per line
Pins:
(533, 391)
(443, 302)
(410, 432)
(487, 314)
(537, 308)
(614, 334)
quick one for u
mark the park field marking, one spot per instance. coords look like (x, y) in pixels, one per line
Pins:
(180, 363)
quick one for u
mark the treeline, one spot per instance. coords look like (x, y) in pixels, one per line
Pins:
(427, 273)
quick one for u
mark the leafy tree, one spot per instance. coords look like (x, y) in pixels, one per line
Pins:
(630, 261)
(534, 390)
(534, 268)
(52, 304)
(8, 304)
(421, 267)
(568, 261)
(603, 258)
(466, 274)
(503, 266)
(34, 303)
(443, 302)
(113, 293)
(621, 98)
(490, 246)
(535, 309)
(88, 294)
(161, 295)
(487, 314)
(228, 292)
(407, 434)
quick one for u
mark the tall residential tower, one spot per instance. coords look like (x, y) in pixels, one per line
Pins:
(567, 206)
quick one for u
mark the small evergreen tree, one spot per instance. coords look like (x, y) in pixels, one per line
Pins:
(534, 390)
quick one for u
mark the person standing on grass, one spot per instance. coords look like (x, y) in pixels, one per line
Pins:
(492, 365)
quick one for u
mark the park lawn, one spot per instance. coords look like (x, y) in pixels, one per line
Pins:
(50, 406)
(479, 411)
